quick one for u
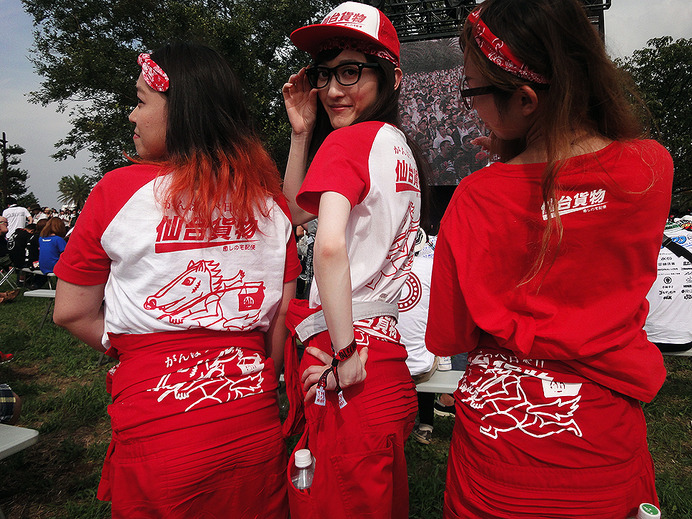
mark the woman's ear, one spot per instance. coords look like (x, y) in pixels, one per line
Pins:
(528, 99)
(398, 74)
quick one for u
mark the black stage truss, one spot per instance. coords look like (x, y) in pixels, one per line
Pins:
(417, 20)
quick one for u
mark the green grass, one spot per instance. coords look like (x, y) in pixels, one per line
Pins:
(65, 399)
(427, 470)
(669, 419)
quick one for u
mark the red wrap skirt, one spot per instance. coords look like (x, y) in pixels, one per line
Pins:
(360, 466)
(196, 430)
(533, 442)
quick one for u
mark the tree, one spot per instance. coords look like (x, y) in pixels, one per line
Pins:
(663, 73)
(75, 189)
(87, 51)
(16, 178)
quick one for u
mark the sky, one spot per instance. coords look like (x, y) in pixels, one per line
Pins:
(629, 24)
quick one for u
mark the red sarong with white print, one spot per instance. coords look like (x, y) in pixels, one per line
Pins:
(196, 430)
(534, 440)
(360, 468)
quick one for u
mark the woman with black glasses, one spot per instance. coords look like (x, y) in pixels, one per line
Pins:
(364, 182)
(542, 267)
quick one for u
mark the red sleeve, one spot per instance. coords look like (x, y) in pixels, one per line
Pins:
(84, 261)
(340, 165)
(292, 268)
(450, 329)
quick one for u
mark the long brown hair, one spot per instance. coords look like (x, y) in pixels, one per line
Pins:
(214, 157)
(586, 90)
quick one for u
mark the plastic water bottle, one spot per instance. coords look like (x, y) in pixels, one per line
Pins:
(303, 470)
(647, 511)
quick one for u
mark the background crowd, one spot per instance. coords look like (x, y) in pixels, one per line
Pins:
(33, 239)
(432, 113)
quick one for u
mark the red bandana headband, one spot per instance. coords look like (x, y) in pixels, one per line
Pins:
(360, 46)
(498, 52)
(154, 76)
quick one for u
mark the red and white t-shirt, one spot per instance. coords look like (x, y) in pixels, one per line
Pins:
(161, 276)
(588, 309)
(372, 166)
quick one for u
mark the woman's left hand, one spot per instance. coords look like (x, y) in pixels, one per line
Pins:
(504, 150)
(484, 141)
(351, 371)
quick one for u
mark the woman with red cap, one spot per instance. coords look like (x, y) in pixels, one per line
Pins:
(194, 300)
(364, 184)
(542, 266)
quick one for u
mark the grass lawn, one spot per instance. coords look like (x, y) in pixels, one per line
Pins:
(65, 399)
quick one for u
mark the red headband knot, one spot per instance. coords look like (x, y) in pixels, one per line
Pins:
(498, 52)
(154, 76)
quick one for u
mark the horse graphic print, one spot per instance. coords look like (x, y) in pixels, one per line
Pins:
(202, 296)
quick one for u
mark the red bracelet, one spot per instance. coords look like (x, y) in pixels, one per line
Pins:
(340, 356)
(344, 353)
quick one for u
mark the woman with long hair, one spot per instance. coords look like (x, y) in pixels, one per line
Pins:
(542, 267)
(351, 165)
(191, 250)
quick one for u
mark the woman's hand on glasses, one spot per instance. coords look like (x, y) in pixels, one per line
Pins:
(301, 103)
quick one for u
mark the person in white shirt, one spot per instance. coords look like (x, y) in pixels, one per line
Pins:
(17, 216)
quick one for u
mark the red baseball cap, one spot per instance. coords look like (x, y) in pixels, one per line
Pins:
(355, 21)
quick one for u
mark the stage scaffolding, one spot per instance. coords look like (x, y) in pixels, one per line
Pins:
(417, 20)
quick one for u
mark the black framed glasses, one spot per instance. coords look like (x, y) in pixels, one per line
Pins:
(346, 74)
(467, 94)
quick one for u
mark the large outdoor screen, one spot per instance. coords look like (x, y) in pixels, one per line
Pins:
(432, 112)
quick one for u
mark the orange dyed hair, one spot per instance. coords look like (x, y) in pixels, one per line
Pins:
(206, 183)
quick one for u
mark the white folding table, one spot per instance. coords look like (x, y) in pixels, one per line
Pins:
(14, 439)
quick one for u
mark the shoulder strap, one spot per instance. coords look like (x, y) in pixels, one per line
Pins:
(677, 249)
